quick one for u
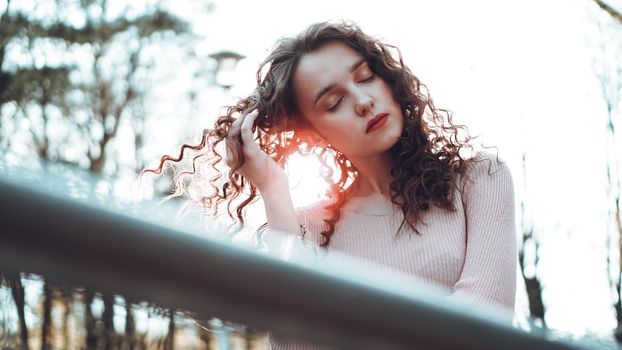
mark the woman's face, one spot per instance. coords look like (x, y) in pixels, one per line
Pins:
(346, 103)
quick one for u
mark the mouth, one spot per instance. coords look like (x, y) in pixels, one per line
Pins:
(376, 122)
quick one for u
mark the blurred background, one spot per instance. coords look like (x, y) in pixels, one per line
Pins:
(108, 87)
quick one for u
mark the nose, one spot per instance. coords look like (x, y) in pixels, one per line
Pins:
(364, 103)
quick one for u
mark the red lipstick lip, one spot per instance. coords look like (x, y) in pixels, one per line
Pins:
(374, 120)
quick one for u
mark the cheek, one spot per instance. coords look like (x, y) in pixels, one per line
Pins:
(386, 91)
(323, 131)
(389, 94)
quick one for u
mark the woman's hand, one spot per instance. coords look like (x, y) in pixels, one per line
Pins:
(263, 172)
(257, 166)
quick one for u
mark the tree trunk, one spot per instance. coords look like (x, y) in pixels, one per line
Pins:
(534, 292)
(138, 125)
(613, 189)
(17, 290)
(107, 318)
(618, 304)
(248, 338)
(532, 284)
(89, 321)
(46, 327)
(3, 19)
(130, 327)
(204, 337)
(169, 343)
(67, 298)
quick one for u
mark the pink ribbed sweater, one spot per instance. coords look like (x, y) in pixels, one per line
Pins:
(471, 252)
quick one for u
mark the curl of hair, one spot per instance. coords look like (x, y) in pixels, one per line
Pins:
(427, 156)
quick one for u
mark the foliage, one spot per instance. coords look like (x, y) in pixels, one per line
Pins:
(81, 78)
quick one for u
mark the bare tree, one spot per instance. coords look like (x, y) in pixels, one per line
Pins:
(66, 297)
(27, 86)
(608, 70)
(615, 14)
(248, 334)
(46, 325)
(90, 97)
(107, 318)
(528, 257)
(130, 327)
(8, 338)
(89, 321)
(204, 335)
(17, 290)
(169, 341)
(94, 101)
(110, 95)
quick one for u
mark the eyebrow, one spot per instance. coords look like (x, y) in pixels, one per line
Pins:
(331, 86)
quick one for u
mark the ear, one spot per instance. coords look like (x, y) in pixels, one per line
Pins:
(311, 137)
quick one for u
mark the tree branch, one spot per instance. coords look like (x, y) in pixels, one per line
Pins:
(617, 16)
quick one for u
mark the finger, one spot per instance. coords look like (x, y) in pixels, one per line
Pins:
(234, 129)
(233, 142)
(247, 128)
(229, 154)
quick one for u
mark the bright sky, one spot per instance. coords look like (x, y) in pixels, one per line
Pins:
(517, 72)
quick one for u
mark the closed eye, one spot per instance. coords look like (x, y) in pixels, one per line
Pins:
(334, 107)
(371, 77)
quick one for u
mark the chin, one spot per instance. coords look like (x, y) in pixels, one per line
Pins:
(386, 144)
(394, 134)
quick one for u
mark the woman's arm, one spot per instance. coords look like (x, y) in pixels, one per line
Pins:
(283, 237)
(262, 171)
(489, 273)
(280, 212)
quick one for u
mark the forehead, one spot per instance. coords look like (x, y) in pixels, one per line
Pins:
(331, 57)
(322, 67)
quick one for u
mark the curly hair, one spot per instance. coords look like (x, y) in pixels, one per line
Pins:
(426, 157)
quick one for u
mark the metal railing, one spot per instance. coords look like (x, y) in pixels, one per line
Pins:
(45, 230)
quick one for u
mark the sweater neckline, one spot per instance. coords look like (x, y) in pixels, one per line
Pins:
(379, 215)
(355, 206)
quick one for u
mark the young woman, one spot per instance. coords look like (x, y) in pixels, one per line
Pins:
(406, 197)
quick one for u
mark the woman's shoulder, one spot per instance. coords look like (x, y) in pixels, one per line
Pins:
(482, 162)
(485, 160)
(483, 167)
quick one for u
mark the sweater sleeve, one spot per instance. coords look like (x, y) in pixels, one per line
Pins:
(488, 276)
(291, 246)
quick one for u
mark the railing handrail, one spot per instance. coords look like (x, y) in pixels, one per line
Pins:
(57, 236)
